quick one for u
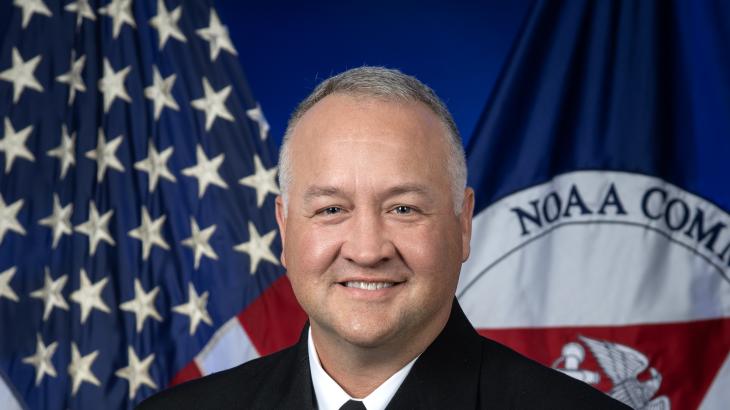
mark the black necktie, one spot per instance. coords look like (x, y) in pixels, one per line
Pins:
(353, 405)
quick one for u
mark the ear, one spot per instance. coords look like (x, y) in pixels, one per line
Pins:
(467, 211)
(281, 221)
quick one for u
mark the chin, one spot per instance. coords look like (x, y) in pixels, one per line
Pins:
(367, 334)
(367, 340)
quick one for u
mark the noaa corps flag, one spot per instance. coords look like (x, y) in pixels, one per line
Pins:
(601, 241)
(138, 245)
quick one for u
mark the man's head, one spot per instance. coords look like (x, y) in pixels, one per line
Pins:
(375, 219)
(387, 85)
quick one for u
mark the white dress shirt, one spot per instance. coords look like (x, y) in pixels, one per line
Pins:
(330, 396)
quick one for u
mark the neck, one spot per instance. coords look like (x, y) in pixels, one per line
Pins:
(358, 369)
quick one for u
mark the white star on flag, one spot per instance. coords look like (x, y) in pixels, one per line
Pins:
(80, 368)
(214, 104)
(149, 233)
(121, 12)
(198, 241)
(41, 359)
(256, 114)
(143, 305)
(105, 155)
(30, 7)
(73, 77)
(262, 180)
(96, 228)
(59, 221)
(206, 171)
(137, 372)
(50, 293)
(5, 290)
(88, 296)
(82, 9)
(111, 85)
(155, 165)
(258, 247)
(13, 144)
(195, 309)
(166, 23)
(9, 218)
(217, 35)
(21, 74)
(160, 92)
(65, 151)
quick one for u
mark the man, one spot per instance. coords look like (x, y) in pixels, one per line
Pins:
(375, 220)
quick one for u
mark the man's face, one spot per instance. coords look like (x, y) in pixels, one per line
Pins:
(372, 244)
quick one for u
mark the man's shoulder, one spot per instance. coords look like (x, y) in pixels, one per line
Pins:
(464, 370)
(262, 380)
(515, 381)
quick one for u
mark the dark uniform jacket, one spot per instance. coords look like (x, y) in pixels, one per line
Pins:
(459, 370)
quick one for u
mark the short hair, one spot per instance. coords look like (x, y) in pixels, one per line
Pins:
(389, 85)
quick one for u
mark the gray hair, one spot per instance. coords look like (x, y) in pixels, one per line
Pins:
(390, 85)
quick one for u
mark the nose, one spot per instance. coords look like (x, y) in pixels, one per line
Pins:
(368, 242)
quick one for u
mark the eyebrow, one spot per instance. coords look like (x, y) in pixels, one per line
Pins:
(317, 191)
(402, 189)
(320, 191)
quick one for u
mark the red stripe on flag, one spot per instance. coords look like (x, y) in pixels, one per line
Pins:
(274, 320)
(687, 355)
(187, 373)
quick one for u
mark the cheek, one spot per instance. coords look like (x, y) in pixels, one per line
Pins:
(311, 251)
(433, 254)
(427, 258)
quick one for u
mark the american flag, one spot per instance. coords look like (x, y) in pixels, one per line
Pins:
(138, 245)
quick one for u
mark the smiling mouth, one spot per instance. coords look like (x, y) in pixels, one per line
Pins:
(369, 285)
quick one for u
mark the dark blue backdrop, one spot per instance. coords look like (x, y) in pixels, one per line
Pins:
(458, 48)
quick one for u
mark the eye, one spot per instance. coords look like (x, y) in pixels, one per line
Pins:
(330, 210)
(403, 210)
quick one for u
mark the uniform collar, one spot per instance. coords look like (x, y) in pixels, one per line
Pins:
(329, 394)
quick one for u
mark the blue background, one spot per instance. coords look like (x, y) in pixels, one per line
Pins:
(457, 48)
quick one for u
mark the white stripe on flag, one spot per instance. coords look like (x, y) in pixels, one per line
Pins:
(718, 396)
(229, 347)
(7, 398)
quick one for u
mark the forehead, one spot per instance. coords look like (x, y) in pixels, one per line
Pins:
(340, 120)
(358, 143)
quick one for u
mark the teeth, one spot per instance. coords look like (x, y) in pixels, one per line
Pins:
(368, 285)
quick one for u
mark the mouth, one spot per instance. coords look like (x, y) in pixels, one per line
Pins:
(369, 285)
